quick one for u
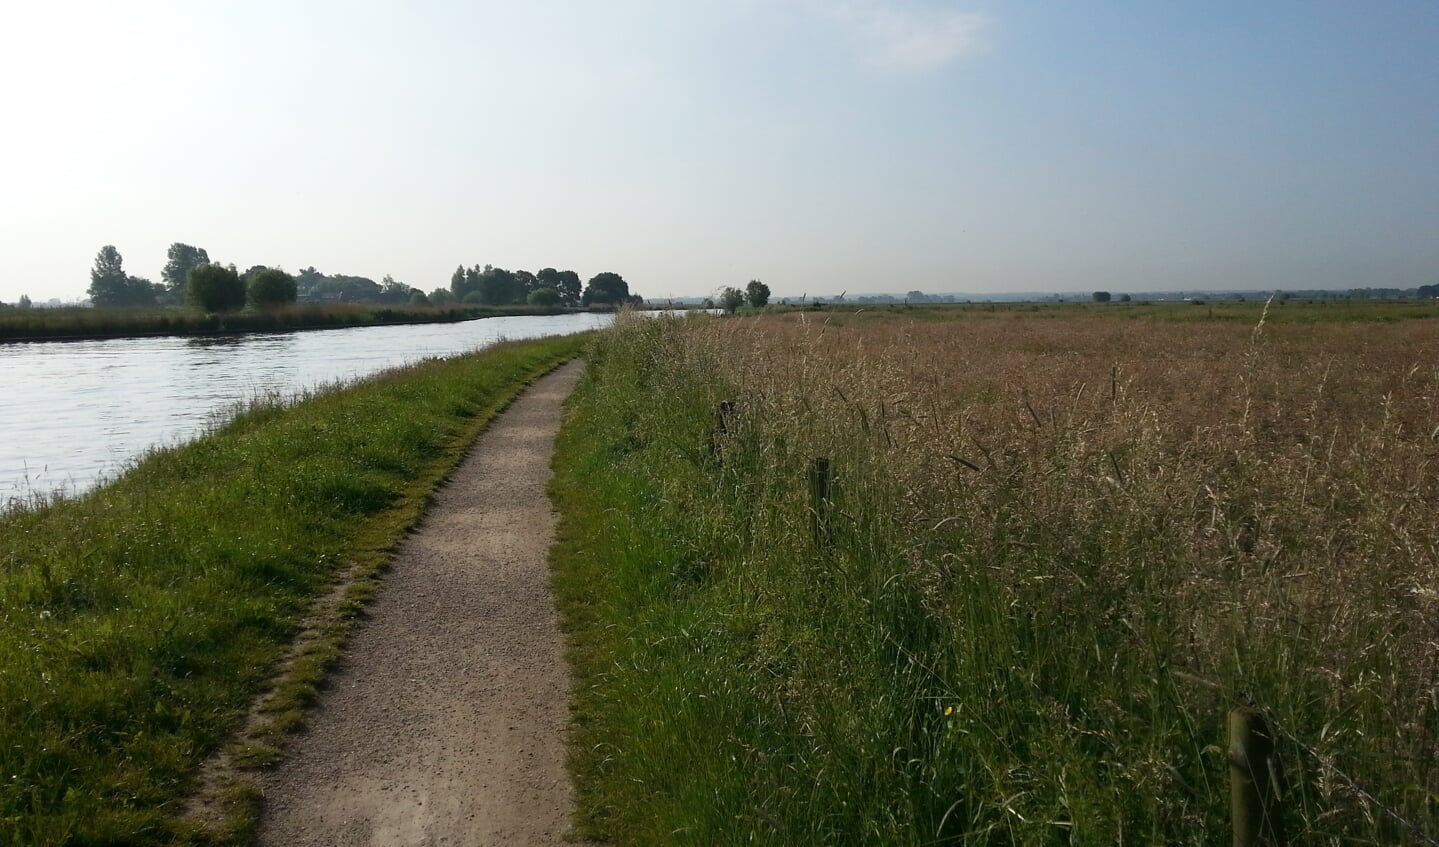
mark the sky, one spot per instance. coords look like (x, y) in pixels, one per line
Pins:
(867, 146)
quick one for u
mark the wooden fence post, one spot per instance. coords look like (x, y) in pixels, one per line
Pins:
(725, 414)
(1254, 780)
(821, 495)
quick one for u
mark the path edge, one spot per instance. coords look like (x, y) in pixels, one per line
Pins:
(224, 808)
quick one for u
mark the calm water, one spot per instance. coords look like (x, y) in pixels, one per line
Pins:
(72, 413)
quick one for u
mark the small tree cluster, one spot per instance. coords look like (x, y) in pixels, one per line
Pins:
(731, 298)
(215, 288)
(606, 289)
(492, 286)
(755, 295)
(111, 287)
(269, 288)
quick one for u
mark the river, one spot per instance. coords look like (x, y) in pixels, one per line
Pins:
(74, 413)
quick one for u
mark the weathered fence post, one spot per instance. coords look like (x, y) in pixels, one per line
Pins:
(821, 495)
(1254, 780)
(725, 414)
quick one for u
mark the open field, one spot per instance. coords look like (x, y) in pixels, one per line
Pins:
(1279, 310)
(141, 620)
(1062, 547)
(46, 324)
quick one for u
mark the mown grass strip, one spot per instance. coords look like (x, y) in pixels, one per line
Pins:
(139, 622)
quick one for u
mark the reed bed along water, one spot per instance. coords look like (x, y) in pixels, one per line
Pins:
(139, 621)
(1061, 550)
(75, 322)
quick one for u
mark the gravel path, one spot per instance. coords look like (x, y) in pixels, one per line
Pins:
(445, 722)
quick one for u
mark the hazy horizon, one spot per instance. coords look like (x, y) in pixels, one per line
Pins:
(818, 145)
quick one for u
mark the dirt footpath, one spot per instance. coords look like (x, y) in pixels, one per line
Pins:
(445, 722)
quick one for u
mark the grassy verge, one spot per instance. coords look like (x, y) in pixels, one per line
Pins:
(81, 323)
(141, 620)
(1062, 551)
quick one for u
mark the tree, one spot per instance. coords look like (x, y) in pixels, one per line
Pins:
(731, 298)
(497, 287)
(215, 288)
(569, 288)
(111, 287)
(270, 287)
(442, 297)
(526, 284)
(1101, 296)
(565, 283)
(179, 260)
(143, 292)
(108, 284)
(307, 279)
(465, 281)
(393, 291)
(606, 287)
(418, 298)
(23, 302)
(347, 289)
(757, 293)
(548, 278)
(544, 297)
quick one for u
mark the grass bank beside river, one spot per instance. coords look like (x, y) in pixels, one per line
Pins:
(138, 622)
(77, 323)
(1055, 552)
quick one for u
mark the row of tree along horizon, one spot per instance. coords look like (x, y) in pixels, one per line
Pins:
(191, 278)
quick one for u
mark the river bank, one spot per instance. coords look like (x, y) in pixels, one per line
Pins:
(88, 324)
(74, 413)
(144, 617)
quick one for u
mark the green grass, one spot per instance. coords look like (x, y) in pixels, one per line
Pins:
(1064, 549)
(141, 620)
(37, 324)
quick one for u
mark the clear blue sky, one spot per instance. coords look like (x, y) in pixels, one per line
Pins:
(819, 145)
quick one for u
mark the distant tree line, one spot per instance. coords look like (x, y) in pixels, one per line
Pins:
(492, 286)
(314, 286)
(190, 277)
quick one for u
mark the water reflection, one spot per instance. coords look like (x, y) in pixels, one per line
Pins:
(74, 412)
(223, 340)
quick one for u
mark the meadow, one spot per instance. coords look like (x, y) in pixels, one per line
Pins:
(1057, 550)
(1276, 310)
(140, 622)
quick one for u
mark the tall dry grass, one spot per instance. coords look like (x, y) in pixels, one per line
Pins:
(1065, 547)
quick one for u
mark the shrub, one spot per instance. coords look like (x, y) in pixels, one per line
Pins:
(544, 297)
(271, 287)
(215, 288)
